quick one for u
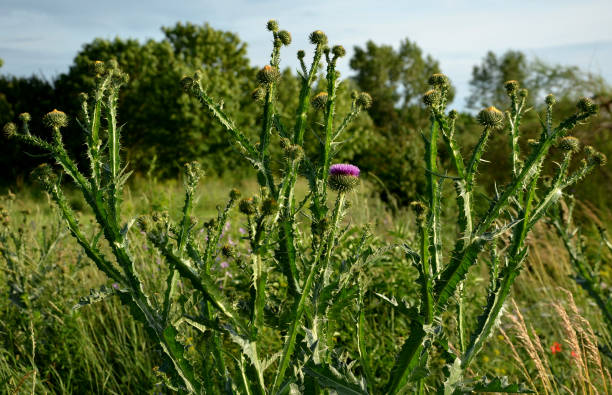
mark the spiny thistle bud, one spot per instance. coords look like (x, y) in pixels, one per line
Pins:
(338, 51)
(285, 37)
(143, 223)
(318, 38)
(453, 114)
(193, 172)
(234, 194)
(319, 100)
(25, 117)
(188, 84)
(45, 175)
(569, 143)
(364, 100)
(258, 94)
(97, 67)
(301, 54)
(285, 142)
(523, 93)
(511, 86)
(10, 129)
(594, 157)
(272, 25)
(56, 119)
(247, 206)
(294, 152)
(438, 80)
(343, 177)
(268, 75)
(491, 117)
(431, 97)
(550, 100)
(228, 251)
(586, 105)
(326, 50)
(419, 208)
(269, 206)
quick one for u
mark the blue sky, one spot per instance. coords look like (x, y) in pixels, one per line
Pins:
(42, 37)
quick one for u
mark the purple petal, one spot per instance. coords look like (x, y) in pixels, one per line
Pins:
(344, 169)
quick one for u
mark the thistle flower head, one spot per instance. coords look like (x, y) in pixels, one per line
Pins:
(569, 143)
(10, 129)
(419, 208)
(228, 251)
(247, 206)
(364, 100)
(56, 119)
(272, 25)
(491, 117)
(511, 86)
(234, 194)
(301, 54)
(431, 97)
(343, 177)
(550, 100)
(318, 38)
(319, 100)
(45, 175)
(268, 74)
(258, 94)
(338, 51)
(594, 157)
(285, 37)
(453, 114)
(97, 67)
(438, 80)
(523, 93)
(25, 117)
(586, 105)
(269, 206)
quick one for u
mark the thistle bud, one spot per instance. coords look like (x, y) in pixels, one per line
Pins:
(594, 157)
(193, 173)
(523, 93)
(188, 84)
(228, 251)
(25, 117)
(272, 25)
(512, 87)
(550, 100)
(294, 152)
(491, 117)
(338, 51)
(569, 143)
(268, 75)
(112, 65)
(83, 97)
(234, 194)
(586, 105)
(247, 206)
(318, 38)
(285, 37)
(269, 206)
(56, 119)
(453, 114)
(258, 94)
(438, 80)
(301, 54)
(343, 177)
(319, 100)
(45, 175)
(97, 67)
(285, 142)
(10, 129)
(364, 100)
(431, 97)
(326, 50)
(420, 209)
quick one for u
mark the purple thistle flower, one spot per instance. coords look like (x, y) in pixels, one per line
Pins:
(241, 230)
(224, 265)
(344, 169)
(115, 285)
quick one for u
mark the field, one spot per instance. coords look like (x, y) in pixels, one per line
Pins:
(297, 273)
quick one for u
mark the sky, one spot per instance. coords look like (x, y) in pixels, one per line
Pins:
(42, 37)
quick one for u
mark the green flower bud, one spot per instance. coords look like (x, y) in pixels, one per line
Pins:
(453, 114)
(285, 37)
(326, 50)
(594, 157)
(431, 97)
(188, 84)
(193, 173)
(56, 119)
(569, 143)
(258, 94)
(234, 194)
(338, 51)
(586, 105)
(97, 67)
(491, 117)
(269, 206)
(25, 117)
(45, 175)
(420, 209)
(301, 54)
(438, 80)
(247, 206)
(268, 75)
(523, 93)
(228, 251)
(272, 25)
(550, 100)
(10, 129)
(319, 100)
(511, 86)
(294, 152)
(318, 38)
(342, 182)
(364, 100)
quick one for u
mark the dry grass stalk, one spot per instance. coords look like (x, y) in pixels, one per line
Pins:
(517, 358)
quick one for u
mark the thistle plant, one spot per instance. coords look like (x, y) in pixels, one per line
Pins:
(261, 339)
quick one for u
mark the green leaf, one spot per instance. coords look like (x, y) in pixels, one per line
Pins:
(498, 384)
(329, 378)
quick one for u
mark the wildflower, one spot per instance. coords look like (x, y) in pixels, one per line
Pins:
(338, 51)
(10, 129)
(116, 285)
(511, 86)
(224, 265)
(25, 117)
(491, 117)
(431, 97)
(569, 143)
(272, 25)
(364, 100)
(247, 206)
(301, 54)
(438, 80)
(56, 119)
(586, 105)
(550, 100)
(227, 251)
(318, 37)
(343, 177)
(555, 348)
(268, 75)
(285, 37)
